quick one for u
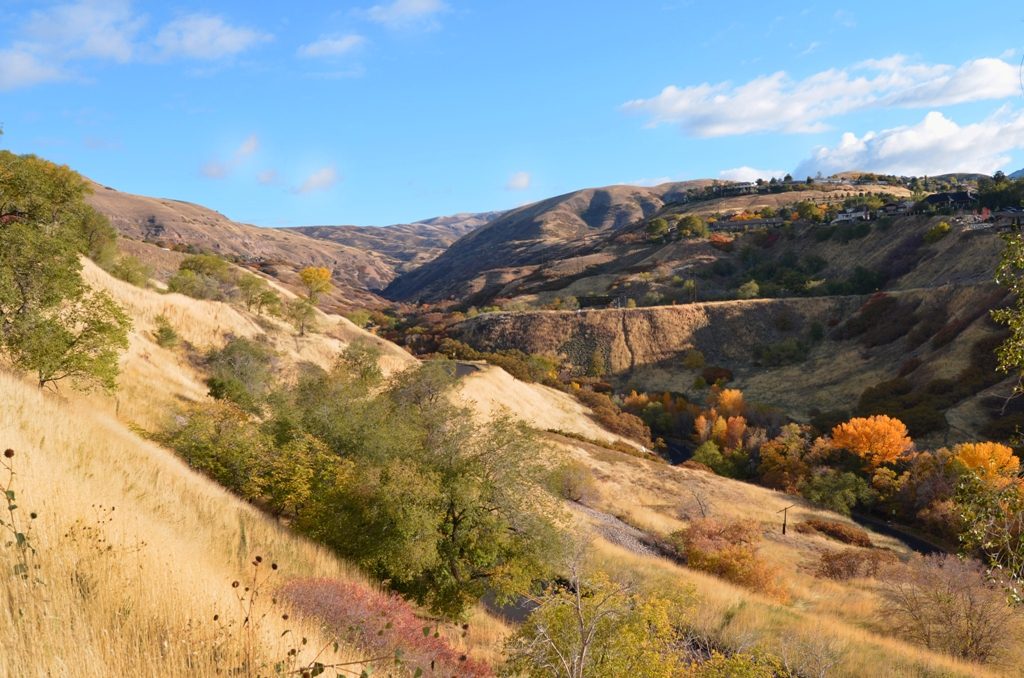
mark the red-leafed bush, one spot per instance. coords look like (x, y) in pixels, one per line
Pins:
(380, 623)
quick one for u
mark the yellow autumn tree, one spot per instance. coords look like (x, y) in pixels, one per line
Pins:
(992, 461)
(878, 440)
(730, 403)
(316, 280)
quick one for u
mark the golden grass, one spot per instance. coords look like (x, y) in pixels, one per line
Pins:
(821, 614)
(748, 621)
(144, 606)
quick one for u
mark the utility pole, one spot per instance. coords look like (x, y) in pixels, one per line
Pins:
(785, 515)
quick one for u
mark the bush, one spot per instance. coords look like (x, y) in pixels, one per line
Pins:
(937, 232)
(726, 549)
(950, 605)
(165, 335)
(381, 623)
(573, 481)
(131, 270)
(242, 372)
(848, 534)
(786, 352)
(715, 375)
(748, 290)
(853, 563)
(693, 359)
(838, 491)
(204, 276)
(611, 417)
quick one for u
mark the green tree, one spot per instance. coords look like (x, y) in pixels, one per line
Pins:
(657, 229)
(252, 288)
(301, 314)
(80, 340)
(49, 322)
(838, 491)
(243, 372)
(692, 226)
(594, 626)
(749, 290)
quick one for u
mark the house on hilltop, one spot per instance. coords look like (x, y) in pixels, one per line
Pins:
(953, 200)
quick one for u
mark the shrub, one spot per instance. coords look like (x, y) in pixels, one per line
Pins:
(204, 276)
(727, 549)
(937, 232)
(381, 623)
(610, 416)
(242, 372)
(573, 481)
(131, 270)
(949, 605)
(165, 335)
(786, 352)
(838, 491)
(693, 359)
(748, 290)
(848, 534)
(715, 375)
(853, 563)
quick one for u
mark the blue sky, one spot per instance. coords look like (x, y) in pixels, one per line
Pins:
(388, 111)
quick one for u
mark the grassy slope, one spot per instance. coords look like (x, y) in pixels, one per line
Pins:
(178, 540)
(823, 620)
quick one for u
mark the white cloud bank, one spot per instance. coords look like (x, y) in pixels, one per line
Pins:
(779, 103)
(206, 37)
(403, 14)
(935, 145)
(332, 47)
(745, 173)
(52, 41)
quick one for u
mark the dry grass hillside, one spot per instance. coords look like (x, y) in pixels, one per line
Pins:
(175, 222)
(826, 627)
(133, 590)
(587, 228)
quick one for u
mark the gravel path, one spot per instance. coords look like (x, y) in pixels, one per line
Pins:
(618, 532)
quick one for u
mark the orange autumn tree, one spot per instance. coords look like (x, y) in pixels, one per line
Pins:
(992, 461)
(878, 440)
(729, 402)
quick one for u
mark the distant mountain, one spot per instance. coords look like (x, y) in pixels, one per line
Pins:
(1019, 174)
(405, 246)
(527, 236)
(279, 252)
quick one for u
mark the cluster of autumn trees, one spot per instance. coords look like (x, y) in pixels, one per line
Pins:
(969, 494)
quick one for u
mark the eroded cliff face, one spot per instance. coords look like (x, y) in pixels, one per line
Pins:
(725, 332)
(924, 335)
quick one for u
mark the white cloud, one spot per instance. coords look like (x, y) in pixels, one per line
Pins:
(778, 103)
(217, 169)
(320, 180)
(332, 47)
(247, 147)
(520, 181)
(101, 29)
(935, 145)
(214, 170)
(23, 69)
(267, 177)
(207, 37)
(746, 173)
(407, 13)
